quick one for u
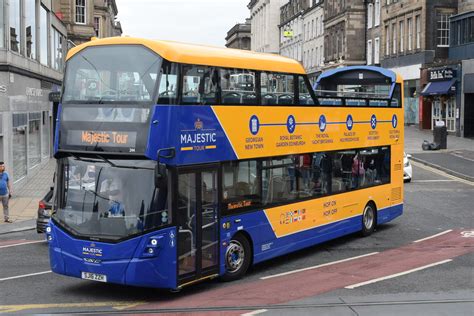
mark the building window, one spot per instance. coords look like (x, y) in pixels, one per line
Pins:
(81, 11)
(34, 139)
(30, 28)
(377, 12)
(377, 51)
(369, 52)
(418, 31)
(15, 39)
(402, 37)
(97, 26)
(394, 37)
(45, 126)
(387, 40)
(44, 36)
(2, 24)
(443, 30)
(57, 49)
(410, 33)
(316, 26)
(20, 125)
(370, 10)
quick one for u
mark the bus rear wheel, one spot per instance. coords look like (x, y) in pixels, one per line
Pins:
(369, 219)
(237, 258)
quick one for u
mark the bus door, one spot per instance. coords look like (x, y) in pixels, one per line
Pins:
(197, 221)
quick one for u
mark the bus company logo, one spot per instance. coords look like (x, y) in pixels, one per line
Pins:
(198, 125)
(394, 121)
(198, 138)
(290, 217)
(92, 250)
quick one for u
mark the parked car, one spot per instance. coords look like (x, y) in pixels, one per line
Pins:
(407, 169)
(44, 211)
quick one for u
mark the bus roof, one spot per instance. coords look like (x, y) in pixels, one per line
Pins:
(382, 72)
(203, 55)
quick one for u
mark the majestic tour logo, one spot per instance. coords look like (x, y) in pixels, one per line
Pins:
(199, 138)
(92, 250)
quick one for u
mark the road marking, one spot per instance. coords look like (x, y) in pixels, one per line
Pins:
(18, 308)
(23, 243)
(442, 233)
(353, 286)
(258, 311)
(25, 275)
(432, 181)
(441, 173)
(467, 234)
(318, 266)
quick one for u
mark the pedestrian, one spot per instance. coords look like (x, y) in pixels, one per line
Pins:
(5, 191)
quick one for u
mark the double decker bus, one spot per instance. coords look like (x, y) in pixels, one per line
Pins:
(167, 175)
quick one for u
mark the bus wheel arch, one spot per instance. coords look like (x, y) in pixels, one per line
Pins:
(369, 218)
(238, 256)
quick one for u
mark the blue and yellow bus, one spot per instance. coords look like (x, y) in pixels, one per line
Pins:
(178, 163)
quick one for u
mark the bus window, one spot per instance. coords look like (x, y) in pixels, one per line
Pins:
(279, 180)
(241, 184)
(167, 91)
(376, 164)
(346, 171)
(305, 98)
(277, 89)
(397, 97)
(199, 85)
(238, 86)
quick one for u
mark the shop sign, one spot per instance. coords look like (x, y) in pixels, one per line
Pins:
(34, 92)
(288, 33)
(54, 96)
(3, 88)
(442, 74)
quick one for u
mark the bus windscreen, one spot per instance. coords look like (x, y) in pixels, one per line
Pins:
(126, 73)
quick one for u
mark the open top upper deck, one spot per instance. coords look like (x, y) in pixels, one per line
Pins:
(203, 55)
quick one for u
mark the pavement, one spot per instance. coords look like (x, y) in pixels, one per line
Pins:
(457, 160)
(24, 202)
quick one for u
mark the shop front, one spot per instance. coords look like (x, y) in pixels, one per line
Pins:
(440, 97)
(26, 115)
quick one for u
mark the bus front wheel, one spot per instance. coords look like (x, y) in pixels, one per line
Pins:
(237, 258)
(369, 219)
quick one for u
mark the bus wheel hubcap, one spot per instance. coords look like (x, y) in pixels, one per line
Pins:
(368, 217)
(234, 256)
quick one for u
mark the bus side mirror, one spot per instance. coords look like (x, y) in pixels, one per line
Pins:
(161, 176)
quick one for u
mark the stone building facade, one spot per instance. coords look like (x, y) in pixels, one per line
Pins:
(344, 24)
(291, 29)
(374, 31)
(239, 36)
(32, 51)
(265, 18)
(313, 38)
(85, 18)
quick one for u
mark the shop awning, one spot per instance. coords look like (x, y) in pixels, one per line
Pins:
(439, 87)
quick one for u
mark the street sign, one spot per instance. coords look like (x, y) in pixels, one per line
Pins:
(288, 34)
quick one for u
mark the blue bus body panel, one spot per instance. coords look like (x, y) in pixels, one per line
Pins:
(266, 245)
(194, 131)
(58, 127)
(126, 262)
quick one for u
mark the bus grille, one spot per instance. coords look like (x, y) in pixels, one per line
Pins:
(396, 194)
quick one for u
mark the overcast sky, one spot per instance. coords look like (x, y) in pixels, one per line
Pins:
(194, 21)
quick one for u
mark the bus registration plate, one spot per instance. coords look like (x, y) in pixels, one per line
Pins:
(94, 276)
